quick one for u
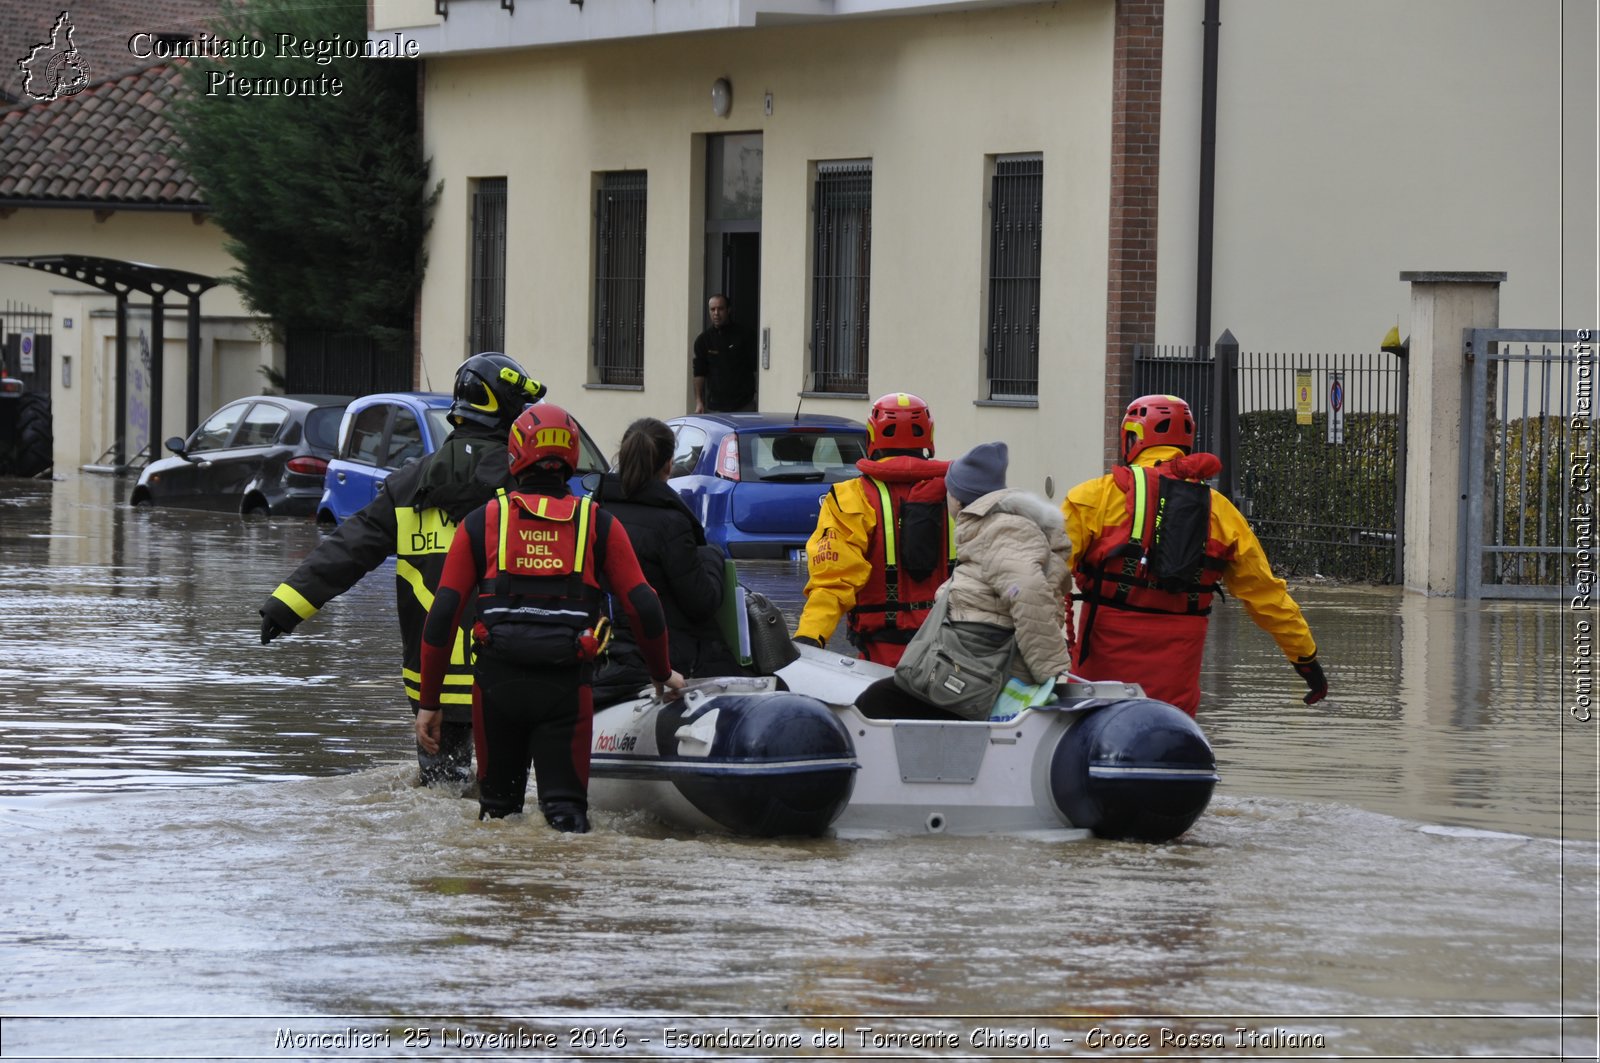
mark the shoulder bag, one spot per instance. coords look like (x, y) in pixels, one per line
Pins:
(956, 665)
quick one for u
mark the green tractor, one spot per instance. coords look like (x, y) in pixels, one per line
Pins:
(26, 441)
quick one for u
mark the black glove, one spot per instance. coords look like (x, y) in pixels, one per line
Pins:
(809, 641)
(269, 630)
(276, 619)
(1311, 672)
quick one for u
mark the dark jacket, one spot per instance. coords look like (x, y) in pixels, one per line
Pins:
(726, 357)
(413, 518)
(687, 575)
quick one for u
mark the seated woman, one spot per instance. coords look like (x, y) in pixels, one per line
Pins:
(687, 574)
(1011, 573)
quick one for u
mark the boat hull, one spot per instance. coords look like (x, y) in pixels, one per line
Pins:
(744, 756)
(733, 755)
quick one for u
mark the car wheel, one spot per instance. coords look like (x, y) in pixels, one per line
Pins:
(254, 507)
(325, 520)
(141, 500)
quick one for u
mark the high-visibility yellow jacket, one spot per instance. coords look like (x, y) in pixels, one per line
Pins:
(1098, 504)
(858, 571)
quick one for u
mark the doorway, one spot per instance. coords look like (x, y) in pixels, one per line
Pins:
(733, 230)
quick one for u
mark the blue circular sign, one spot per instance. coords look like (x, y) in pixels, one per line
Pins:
(1336, 395)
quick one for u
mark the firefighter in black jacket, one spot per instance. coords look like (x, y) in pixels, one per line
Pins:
(413, 518)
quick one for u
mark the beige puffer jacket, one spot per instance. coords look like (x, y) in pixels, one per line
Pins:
(1013, 549)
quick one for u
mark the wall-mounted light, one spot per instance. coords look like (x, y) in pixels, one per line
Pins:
(721, 97)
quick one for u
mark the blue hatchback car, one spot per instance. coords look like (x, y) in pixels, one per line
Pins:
(757, 480)
(382, 432)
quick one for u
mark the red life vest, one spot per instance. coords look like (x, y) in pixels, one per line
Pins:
(540, 588)
(1115, 574)
(910, 555)
(1115, 571)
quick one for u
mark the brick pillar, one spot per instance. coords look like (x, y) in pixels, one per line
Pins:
(1135, 173)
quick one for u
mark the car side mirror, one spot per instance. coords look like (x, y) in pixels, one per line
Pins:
(175, 444)
(591, 482)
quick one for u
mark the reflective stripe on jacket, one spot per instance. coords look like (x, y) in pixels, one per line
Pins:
(852, 570)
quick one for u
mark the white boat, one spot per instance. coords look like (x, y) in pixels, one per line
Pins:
(792, 754)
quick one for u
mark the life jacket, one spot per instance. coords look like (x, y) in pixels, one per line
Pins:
(540, 593)
(1162, 559)
(912, 552)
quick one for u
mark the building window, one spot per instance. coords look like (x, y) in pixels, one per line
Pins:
(1016, 201)
(488, 325)
(619, 277)
(841, 276)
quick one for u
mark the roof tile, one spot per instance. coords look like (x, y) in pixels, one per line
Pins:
(112, 132)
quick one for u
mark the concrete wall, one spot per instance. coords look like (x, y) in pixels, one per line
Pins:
(928, 99)
(1360, 138)
(84, 323)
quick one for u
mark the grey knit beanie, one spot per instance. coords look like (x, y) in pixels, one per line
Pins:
(977, 472)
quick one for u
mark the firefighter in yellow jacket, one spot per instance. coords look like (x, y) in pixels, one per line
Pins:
(883, 541)
(1147, 584)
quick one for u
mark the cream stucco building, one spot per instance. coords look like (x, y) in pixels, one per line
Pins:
(1355, 140)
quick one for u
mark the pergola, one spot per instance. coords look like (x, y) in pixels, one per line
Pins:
(119, 278)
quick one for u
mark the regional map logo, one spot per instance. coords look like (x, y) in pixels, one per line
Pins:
(55, 68)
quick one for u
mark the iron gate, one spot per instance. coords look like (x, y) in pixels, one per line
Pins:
(1527, 463)
(1312, 446)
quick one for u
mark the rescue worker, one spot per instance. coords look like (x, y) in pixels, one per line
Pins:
(1152, 545)
(531, 568)
(884, 541)
(413, 518)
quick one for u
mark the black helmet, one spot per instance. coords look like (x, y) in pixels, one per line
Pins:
(491, 390)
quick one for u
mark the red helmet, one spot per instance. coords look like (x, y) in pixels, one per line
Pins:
(543, 432)
(1156, 421)
(899, 421)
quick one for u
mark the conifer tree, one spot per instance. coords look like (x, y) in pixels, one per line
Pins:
(323, 196)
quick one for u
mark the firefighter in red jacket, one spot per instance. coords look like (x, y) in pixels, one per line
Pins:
(537, 563)
(1152, 545)
(883, 541)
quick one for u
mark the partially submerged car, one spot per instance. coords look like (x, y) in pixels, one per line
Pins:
(757, 480)
(379, 433)
(263, 455)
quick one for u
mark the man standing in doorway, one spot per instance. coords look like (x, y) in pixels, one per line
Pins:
(724, 363)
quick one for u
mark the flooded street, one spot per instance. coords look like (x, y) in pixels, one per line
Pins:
(215, 849)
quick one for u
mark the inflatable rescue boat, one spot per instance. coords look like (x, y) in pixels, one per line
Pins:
(793, 754)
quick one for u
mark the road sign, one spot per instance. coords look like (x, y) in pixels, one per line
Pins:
(1302, 397)
(1336, 407)
(26, 358)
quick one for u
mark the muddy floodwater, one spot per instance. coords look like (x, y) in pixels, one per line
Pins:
(215, 849)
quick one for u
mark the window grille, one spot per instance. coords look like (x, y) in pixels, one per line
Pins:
(619, 277)
(1015, 229)
(488, 318)
(841, 276)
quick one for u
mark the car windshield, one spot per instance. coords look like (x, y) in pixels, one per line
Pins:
(322, 427)
(438, 423)
(800, 456)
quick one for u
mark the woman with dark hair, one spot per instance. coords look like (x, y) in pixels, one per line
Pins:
(686, 573)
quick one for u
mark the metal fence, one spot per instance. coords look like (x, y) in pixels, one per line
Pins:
(1528, 448)
(1313, 449)
(318, 362)
(25, 333)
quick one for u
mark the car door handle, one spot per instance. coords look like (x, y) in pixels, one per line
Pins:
(204, 464)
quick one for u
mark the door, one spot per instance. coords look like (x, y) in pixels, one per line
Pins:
(733, 230)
